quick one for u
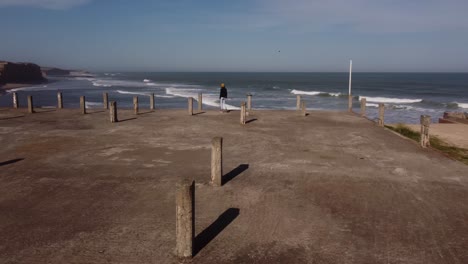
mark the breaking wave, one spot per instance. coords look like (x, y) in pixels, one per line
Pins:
(390, 100)
(320, 93)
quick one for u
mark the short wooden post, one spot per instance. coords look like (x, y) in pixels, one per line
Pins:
(298, 102)
(363, 107)
(105, 100)
(152, 101)
(113, 112)
(381, 114)
(200, 102)
(15, 101)
(243, 114)
(190, 105)
(217, 161)
(350, 103)
(30, 104)
(83, 105)
(185, 218)
(425, 124)
(59, 100)
(304, 108)
(135, 105)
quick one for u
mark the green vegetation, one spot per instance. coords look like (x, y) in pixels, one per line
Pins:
(457, 153)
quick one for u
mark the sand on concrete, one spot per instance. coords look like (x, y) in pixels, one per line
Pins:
(453, 134)
(327, 188)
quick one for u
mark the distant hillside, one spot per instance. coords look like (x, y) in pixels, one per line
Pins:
(55, 71)
(26, 73)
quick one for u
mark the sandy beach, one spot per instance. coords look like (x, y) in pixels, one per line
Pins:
(327, 188)
(454, 134)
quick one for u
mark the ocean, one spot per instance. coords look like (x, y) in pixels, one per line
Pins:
(406, 95)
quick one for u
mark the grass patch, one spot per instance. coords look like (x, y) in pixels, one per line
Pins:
(457, 153)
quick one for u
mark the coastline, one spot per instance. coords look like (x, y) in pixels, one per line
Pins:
(10, 86)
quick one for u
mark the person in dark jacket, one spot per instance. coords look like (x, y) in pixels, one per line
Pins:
(222, 98)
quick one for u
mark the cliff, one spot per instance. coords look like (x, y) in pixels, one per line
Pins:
(55, 71)
(26, 73)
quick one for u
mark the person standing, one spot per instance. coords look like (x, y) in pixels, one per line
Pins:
(222, 98)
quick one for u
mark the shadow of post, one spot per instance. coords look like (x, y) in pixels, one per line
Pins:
(207, 235)
(234, 173)
(251, 120)
(10, 162)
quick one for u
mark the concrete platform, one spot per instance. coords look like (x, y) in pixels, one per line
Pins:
(327, 188)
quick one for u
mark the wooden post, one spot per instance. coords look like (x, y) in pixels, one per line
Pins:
(249, 102)
(298, 102)
(190, 105)
(381, 114)
(113, 112)
(425, 123)
(217, 161)
(83, 105)
(200, 102)
(30, 105)
(350, 103)
(304, 108)
(185, 218)
(152, 101)
(15, 101)
(59, 100)
(243, 114)
(135, 104)
(363, 107)
(105, 100)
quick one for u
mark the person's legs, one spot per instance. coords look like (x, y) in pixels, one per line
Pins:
(223, 103)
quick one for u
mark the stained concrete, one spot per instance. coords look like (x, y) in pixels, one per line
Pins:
(326, 188)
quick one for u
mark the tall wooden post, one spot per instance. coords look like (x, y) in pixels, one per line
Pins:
(105, 100)
(113, 112)
(83, 105)
(185, 218)
(152, 101)
(363, 107)
(135, 105)
(190, 105)
(350, 103)
(217, 161)
(425, 124)
(298, 102)
(200, 102)
(15, 101)
(59, 100)
(381, 114)
(243, 114)
(304, 108)
(30, 105)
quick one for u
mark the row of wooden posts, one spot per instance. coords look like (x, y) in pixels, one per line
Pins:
(246, 108)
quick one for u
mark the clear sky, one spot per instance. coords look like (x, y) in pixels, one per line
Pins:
(237, 35)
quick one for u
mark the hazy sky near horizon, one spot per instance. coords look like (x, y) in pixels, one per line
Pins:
(242, 35)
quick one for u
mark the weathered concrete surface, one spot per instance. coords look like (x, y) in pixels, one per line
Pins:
(331, 188)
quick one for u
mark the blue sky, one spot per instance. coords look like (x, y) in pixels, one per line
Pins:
(242, 35)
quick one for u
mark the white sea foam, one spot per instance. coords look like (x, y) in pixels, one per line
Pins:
(208, 99)
(299, 92)
(134, 93)
(146, 80)
(93, 104)
(463, 105)
(100, 84)
(31, 88)
(372, 105)
(390, 100)
(335, 94)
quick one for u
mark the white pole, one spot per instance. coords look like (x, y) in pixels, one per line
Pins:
(350, 73)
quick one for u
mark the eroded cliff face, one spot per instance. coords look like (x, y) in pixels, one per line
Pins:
(20, 73)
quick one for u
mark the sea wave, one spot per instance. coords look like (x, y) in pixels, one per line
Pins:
(93, 104)
(462, 105)
(208, 99)
(134, 93)
(146, 80)
(320, 93)
(390, 100)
